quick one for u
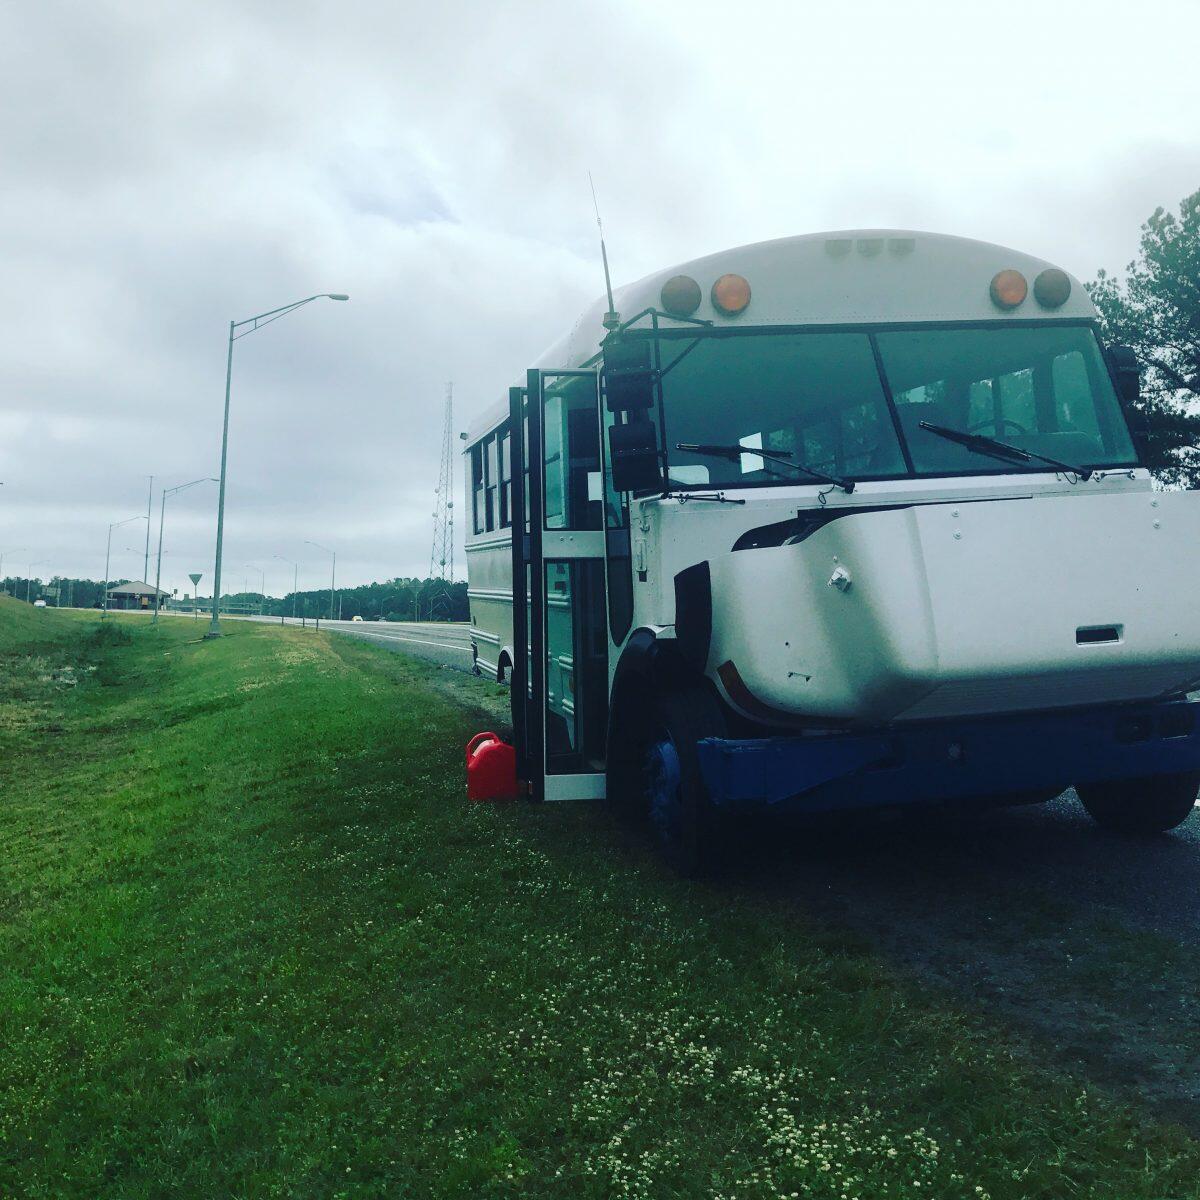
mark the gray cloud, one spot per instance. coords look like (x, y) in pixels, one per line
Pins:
(169, 167)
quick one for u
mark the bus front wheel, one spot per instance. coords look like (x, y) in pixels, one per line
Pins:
(1138, 806)
(685, 822)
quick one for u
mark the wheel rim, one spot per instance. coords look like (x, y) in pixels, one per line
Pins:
(662, 775)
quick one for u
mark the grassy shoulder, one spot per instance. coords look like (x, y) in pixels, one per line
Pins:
(254, 942)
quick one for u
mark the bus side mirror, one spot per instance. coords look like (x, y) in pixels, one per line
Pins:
(628, 375)
(633, 455)
(1128, 373)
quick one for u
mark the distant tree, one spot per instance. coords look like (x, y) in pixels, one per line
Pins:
(82, 593)
(398, 599)
(1156, 311)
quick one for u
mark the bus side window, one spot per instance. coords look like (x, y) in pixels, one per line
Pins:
(981, 404)
(1017, 399)
(555, 466)
(505, 480)
(477, 514)
(1073, 403)
(776, 439)
(490, 474)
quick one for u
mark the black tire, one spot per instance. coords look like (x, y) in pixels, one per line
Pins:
(1138, 806)
(686, 825)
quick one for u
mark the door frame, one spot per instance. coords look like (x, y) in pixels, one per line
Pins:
(530, 552)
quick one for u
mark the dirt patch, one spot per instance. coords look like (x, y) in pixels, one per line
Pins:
(486, 700)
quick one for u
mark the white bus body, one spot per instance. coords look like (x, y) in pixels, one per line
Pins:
(919, 620)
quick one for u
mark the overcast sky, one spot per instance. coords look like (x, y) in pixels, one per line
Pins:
(168, 167)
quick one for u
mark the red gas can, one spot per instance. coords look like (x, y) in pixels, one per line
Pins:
(491, 769)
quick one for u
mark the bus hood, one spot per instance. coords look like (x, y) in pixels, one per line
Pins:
(963, 609)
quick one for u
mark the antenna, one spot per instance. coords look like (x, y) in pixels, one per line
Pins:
(441, 556)
(612, 318)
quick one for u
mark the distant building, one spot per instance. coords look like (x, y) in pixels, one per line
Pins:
(135, 595)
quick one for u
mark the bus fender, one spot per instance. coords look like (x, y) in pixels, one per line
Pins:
(650, 662)
(694, 615)
(648, 665)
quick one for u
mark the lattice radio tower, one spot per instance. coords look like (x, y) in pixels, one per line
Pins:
(441, 556)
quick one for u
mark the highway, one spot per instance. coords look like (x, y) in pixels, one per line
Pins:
(447, 643)
(439, 641)
(444, 642)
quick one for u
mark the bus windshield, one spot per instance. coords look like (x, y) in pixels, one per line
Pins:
(1042, 389)
(818, 398)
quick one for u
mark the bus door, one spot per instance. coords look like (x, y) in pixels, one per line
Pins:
(560, 629)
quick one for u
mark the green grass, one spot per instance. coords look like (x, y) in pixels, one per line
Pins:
(254, 942)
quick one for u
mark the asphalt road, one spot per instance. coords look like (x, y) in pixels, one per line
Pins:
(1083, 944)
(438, 641)
(447, 643)
(443, 642)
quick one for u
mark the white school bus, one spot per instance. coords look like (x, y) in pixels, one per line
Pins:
(833, 522)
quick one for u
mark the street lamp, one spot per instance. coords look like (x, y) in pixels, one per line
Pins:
(10, 550)
(162, 512)
(255, 323)
(146, 552)
(295, 580)
(108, 556)
(28, 579)
(332, 572)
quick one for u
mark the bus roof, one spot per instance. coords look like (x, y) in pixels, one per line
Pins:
(850, 277)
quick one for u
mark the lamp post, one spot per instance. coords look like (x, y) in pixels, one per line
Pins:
(108, 556)
(332, 572)
(162, 513)
(28, 579)
(295, 580)
(146, 552)
(255, 323)
(10, 550)
(389, 596)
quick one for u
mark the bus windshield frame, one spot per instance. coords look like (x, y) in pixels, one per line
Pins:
(1045, 388)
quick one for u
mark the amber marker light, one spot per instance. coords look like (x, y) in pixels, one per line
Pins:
(1009, 289)
(1052, 288)
(730, 295)
(680, 295)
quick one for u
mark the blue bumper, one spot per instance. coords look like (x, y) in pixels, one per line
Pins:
(948, 761)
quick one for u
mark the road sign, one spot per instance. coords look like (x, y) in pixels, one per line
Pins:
(195, 578)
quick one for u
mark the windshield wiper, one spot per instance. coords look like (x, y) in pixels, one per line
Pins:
(979, 444)
(783, 457)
